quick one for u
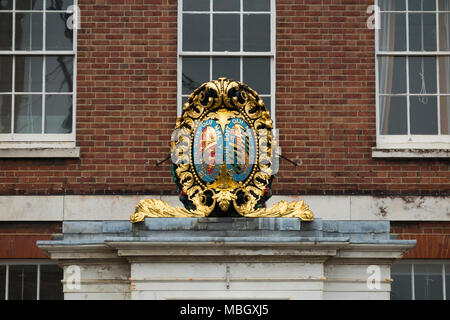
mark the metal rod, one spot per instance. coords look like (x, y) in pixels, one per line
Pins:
(158, 163)
(294, 163)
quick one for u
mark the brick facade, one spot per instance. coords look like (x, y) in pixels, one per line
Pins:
(18, 239)
(126, 106)
(433, 238)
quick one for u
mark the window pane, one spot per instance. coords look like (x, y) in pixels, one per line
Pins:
(444, 75)
(196, 5)
(28, 113)
(226, 67)
(428, 281)
(444, 30)
(421, 5)
(6, 33)
(58, 36)
(22, 282)
(29, 4)
(447, 281)
(58, 114)
(401, 284)
(423, 114)
(28, 31)
(226, 32)
(422, 75)
(256, 32)
(422, 32)
(195, 72)
(5, 113)
(58, 4)
(267, 103)
(392, 5)
(50, 286)
(2, 282)
(228, 5)
(444, 5)
(6, 4)
(5, 73)
(393, 115)
(59, 74)
(445, 118)
(195, 32)
(28, 74)
(392, 34)
(392, 74)
(257, 74)
(256, 5)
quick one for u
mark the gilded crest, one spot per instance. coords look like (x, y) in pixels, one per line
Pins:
(223, 157)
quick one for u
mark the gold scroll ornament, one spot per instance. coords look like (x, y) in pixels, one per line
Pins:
(155, 208)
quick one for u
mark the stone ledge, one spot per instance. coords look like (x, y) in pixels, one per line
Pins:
(220, 224)
(40, 152)
(326, 207)
(410, 153)
(227, 229)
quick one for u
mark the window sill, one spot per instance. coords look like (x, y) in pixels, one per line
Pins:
(40, 152)
(410, 153)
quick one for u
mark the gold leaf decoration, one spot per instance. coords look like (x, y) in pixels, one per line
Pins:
(221, 101)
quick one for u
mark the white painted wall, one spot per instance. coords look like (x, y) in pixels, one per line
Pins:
(209, 280)
(146, 270)
(107, 280)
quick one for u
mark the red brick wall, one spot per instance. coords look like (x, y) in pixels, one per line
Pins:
(126, 106)
(326, 106)
(433, 238)
(18, 239)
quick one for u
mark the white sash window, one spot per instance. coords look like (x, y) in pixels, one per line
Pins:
(37, 73)
(227, 38)
(413, 74)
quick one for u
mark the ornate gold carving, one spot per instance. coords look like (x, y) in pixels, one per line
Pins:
(222, 116)
(283, 209)
(155, 208)
(224, 182)
(222, 100)
(224, 198)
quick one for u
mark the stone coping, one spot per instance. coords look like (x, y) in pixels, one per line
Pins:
(226, 230)
(225, 240)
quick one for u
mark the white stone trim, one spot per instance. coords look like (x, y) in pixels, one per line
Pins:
(31, 208)
(410, 153)
(53, 152)
(107, 207)
(120, 207)
(391, 208)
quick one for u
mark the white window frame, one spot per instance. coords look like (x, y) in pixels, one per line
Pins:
(410, 142)
(40, 144)
(33, 262)
(411, 263)
(269, 54)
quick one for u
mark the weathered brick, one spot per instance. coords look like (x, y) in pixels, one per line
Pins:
(433, 238)
(127, 106)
